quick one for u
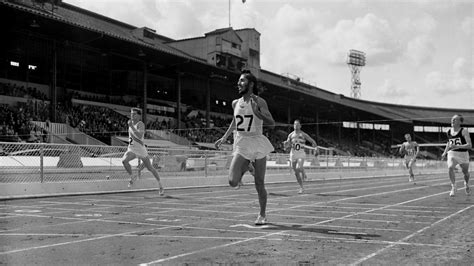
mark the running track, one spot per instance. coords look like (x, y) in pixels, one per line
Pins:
(382, 220)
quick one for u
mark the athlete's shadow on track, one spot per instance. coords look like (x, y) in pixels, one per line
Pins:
(297, 227)
(161, 197)
(278, 194)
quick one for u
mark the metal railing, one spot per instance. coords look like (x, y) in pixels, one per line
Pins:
(45, 162)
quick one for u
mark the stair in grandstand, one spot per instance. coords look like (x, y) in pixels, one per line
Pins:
(66, 134)
(167, 135)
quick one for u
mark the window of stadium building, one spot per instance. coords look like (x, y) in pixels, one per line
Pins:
(381, 127)
(366, 126)
(430, 129)
(346, 124)
(349, 124)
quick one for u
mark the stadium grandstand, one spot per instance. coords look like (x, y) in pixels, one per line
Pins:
(69, 76)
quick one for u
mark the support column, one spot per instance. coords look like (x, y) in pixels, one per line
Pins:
(53, 88)
(339, 129)
(145, 92)
(317, 124)
(178, 100)
(288, 121)
(208, 103)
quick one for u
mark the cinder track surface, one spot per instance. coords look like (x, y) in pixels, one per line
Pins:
(381, 220)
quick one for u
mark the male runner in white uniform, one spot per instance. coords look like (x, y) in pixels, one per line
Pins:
(137, 149)
(410, 150)
(296, 140)
(250, 145)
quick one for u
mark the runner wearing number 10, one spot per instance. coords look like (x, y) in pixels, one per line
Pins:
(296, 140)
(250, 145)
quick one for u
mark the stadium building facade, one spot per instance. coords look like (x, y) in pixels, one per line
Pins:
(66, 51)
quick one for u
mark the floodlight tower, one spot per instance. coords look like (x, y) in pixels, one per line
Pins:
(355, 61)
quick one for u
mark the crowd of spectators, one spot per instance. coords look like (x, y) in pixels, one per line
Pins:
(101, 122)
(96, 121)
(196, 130)
(103, 98)
(160, 124)
(15, 90)
(16, 125)
(15, 118)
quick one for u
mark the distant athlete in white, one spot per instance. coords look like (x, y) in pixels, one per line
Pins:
(137, 149)
(296, 140)
(410, 150)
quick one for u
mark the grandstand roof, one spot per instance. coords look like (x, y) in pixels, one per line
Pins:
(93, 22)
(78, 17)
(401, 113)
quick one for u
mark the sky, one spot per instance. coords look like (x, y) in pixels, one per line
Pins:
(418, 52)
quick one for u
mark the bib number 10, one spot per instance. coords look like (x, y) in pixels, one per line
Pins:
(296, 146)
(242, 121)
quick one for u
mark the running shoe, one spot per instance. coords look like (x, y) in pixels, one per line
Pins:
(301, 191)
(240, 184)
(261, 220)
(161, 191)
(132, 180)
(453, 191)
(467, 188)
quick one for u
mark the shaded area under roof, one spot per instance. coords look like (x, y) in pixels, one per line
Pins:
(87, 20)
(401, 113)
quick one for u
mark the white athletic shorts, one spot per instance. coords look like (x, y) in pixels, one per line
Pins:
(296, 155)
(457, 157)
(139, 150)
(252, 147)
(409, 159)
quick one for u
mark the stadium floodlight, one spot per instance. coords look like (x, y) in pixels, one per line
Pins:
(355, 61)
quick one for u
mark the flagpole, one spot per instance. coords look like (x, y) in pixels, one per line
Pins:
(229, 13)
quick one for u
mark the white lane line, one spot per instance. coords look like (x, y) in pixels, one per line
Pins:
(314, 188)
(311, 238)
(49, 234)
(281, 232)
(351, 198)
(365, 241)
(206, 249)
(106, 237)
(280, 223)
(86, 240)
(409, 236)
(379, 214)
(381, 208)
(126, 213)
(407, 206)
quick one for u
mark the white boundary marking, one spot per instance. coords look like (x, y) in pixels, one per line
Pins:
(280, 232)
(27, 211)
(311, 238)
(410, 236)
(160, 228)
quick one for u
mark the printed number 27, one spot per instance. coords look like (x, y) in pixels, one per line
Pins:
(240, 121)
